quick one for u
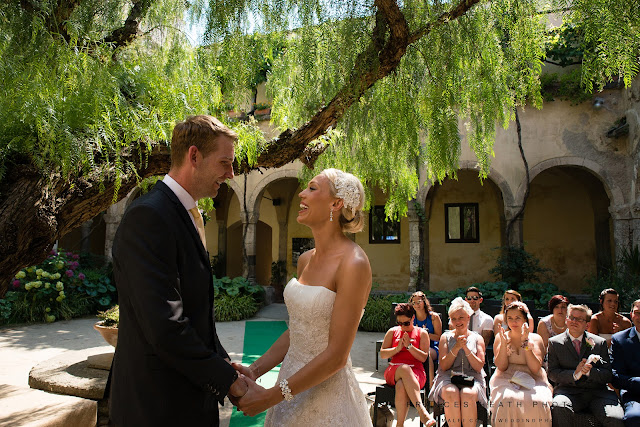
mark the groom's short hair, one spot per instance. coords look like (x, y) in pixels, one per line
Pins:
(201, 131)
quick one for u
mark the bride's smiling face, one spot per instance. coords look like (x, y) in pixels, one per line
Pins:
(316, 202)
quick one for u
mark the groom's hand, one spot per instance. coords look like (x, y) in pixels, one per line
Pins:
(238, 389)
(256, 399)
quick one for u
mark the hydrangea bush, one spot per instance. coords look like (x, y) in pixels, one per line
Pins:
(58, 288)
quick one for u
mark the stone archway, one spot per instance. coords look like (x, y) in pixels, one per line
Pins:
(567, 223)
(613, 191)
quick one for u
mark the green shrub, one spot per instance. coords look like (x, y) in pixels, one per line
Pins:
(514, 265)
(376, 314)
(58, 288)
(238, 286)
(230, 308)
(625, 279)
(5, 310)
(377, 311)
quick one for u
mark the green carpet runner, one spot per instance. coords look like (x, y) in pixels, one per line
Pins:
(258, 337)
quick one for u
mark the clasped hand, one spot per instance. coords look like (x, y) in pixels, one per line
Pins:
(583, 367)
(255, 399)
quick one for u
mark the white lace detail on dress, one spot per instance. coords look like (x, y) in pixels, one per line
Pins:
(338, 401)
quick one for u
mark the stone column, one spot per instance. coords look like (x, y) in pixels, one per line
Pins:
(86, 228)
(250, 232)
(222, 242)
(515, 233)
(625, 229)
(414, 248)
(112, 220)
(283, 235)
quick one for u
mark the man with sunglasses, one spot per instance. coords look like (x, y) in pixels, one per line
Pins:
(480, 321)
(580, 383)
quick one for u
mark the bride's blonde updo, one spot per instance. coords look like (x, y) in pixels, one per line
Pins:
(347, 187)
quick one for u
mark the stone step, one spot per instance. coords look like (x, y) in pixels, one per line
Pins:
(23, 406)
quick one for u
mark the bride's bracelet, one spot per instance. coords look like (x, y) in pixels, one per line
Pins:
(286, 391)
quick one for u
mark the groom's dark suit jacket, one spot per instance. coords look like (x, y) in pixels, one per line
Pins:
(169, 367)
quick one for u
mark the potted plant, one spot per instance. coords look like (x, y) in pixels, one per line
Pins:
(261, 108)
(108, 324)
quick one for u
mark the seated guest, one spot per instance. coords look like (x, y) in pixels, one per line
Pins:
(556, 322)
(508, 297)
(625, 363)
(428, 319)
(608, 321)
(581, 386)
(480, 321)
(518, 354)
(459, 383)
(407, 346)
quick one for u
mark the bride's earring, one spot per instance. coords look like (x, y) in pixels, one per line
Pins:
(331, 215)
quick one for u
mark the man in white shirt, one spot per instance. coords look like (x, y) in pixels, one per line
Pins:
(480, 321)
(581, 386)
(169, 367)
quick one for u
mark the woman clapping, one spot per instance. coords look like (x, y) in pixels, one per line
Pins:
(408, 347)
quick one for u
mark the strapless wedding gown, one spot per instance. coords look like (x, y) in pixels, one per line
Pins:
(338, 401)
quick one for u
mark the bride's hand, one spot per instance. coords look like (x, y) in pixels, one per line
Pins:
(245, 370)
(256, 400)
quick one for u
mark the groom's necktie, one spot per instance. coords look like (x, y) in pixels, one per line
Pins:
(576, 345)
(199, 224)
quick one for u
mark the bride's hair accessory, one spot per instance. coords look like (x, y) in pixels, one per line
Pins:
(348, 191)
(345, 186)
(286, 391)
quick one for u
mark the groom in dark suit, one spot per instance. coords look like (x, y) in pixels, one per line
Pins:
(581, 386)
(625, 353)
(169, 368)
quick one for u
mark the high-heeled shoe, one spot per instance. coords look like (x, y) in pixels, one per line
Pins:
(425, 418)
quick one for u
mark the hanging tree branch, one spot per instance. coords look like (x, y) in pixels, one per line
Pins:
(377, 61)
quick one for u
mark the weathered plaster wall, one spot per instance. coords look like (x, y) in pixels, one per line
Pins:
(389, 261)
(454, 265)
(559, 228)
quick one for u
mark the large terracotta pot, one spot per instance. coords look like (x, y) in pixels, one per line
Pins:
(109, 333)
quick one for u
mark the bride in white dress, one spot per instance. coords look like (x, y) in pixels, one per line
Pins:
(316, 385)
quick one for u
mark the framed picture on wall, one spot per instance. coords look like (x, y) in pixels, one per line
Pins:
(300, 245)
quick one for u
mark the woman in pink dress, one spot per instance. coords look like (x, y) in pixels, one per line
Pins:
(520, 392)
(408, 348)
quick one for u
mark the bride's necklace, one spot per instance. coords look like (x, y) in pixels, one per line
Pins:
(553, 323)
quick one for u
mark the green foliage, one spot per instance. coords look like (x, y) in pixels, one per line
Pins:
(238, 286)
(563, 45)
(515, 265)
(230, 308)
(5, 310)
(73, 104)
(110, 317)
(566, 86)
(625, 279)
(377, 311)
(58, 288)
(541, 293)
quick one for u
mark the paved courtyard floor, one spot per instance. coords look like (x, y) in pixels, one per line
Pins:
(24, 346)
